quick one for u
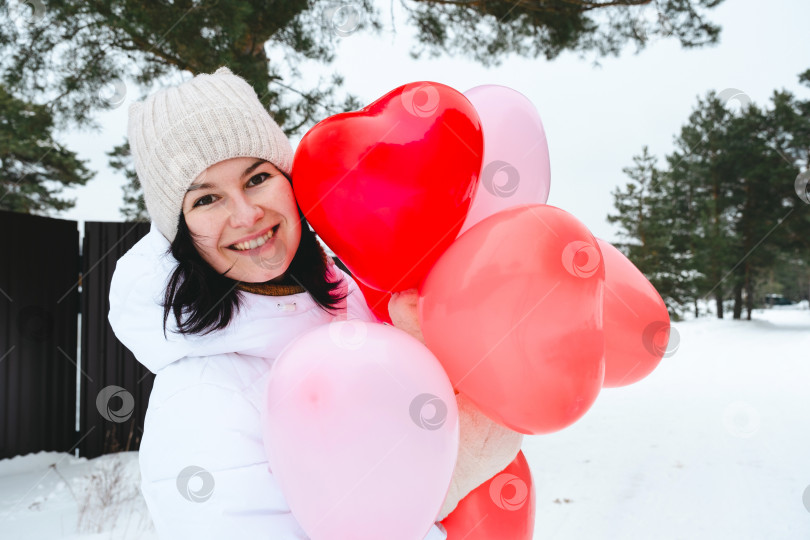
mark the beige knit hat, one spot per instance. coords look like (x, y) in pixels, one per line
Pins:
(178, 132)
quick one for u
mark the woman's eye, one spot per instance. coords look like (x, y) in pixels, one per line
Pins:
(259, 178)
(204, 200)
(253, 181)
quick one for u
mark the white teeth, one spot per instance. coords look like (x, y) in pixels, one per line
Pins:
(256, 242)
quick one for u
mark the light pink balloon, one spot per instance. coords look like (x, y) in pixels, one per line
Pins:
(361, 430)
(516, 167)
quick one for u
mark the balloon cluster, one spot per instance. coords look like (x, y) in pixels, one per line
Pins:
(526, 312)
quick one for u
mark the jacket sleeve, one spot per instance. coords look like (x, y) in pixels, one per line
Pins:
(205, 475)
(356, 302)
(204, 471)
(436, 533)
(485, 448)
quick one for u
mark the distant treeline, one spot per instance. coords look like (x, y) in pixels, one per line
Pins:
(728, 216)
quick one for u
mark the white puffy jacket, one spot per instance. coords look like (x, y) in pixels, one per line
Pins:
(203, 465)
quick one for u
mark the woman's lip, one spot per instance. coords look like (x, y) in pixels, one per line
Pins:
(257, 248)
(254, 236)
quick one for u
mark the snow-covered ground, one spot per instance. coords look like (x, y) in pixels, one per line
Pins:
(55, 495)
(715, 444)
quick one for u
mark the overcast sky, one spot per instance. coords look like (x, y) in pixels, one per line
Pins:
(596, 117)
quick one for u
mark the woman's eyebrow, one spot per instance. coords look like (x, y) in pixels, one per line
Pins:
(249, 170)
(252, 167)
(192, 187)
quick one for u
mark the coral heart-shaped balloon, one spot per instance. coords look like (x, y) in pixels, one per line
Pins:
(388, 187)
(636, 321)
(513, 311)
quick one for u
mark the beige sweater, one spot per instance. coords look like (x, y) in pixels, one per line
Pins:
(485, 447)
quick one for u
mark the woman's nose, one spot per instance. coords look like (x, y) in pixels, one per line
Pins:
(244, 212)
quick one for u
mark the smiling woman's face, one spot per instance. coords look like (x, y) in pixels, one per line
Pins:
(244, 219)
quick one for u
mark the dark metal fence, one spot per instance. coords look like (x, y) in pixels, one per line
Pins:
(43, 284)
(115, 387)
(39, 301)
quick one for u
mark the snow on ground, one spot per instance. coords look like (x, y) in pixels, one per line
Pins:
(56, 495)
(714, 444)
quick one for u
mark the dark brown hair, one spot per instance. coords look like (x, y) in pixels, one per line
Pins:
(208, 300)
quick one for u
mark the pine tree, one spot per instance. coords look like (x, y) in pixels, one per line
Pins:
(134, 207)
(723, 216)
(763, 180)
(708, 194)
(487, 29)
(34, 168)
(69, 53)
(788, 134)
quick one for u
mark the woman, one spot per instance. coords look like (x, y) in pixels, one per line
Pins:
(228, 275)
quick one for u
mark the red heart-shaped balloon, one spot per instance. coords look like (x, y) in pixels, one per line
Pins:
(388, 187)
(501, 507)
(377, 301)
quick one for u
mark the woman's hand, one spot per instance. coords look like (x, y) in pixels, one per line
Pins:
(402, 309)
(485, 447)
